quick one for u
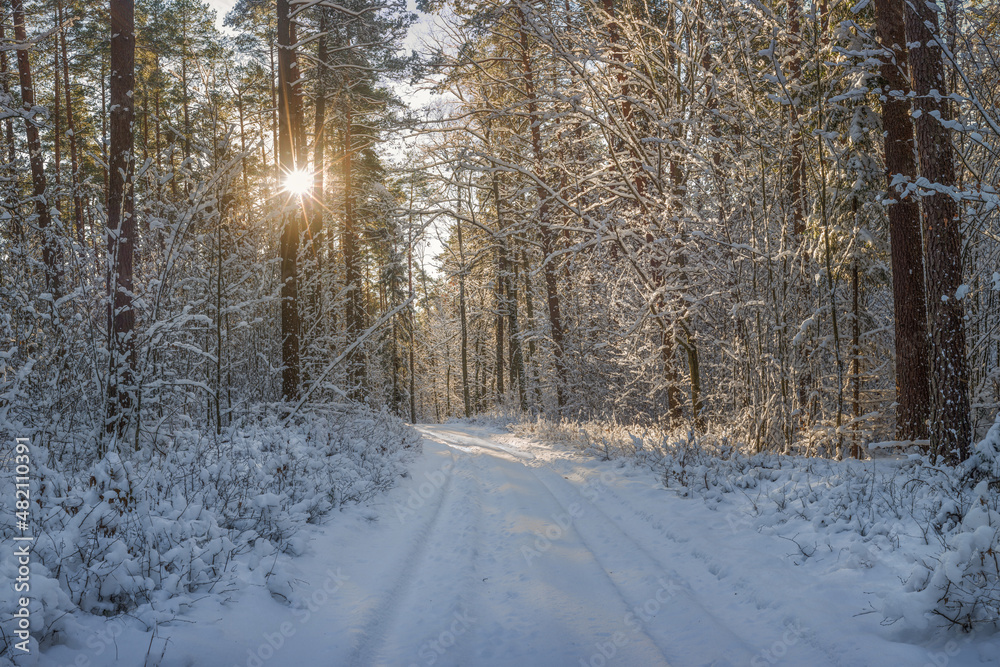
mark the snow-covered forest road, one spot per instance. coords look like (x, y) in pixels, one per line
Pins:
(497, 550)
(523, 566)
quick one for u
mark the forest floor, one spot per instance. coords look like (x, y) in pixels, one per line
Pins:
(501, 550)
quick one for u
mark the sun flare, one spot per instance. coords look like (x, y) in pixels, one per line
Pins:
(298, 182)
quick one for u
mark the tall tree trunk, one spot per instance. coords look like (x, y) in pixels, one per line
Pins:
(797, 162)
(319, 140)
(501, 300)
(447, 379)
(11, 156)
(219, 350)
(240, 108)
(507, 290)
(56, 120)
(316, 202)
(145, 123)
(669, 339)
(274, 115)
(104, 124)
(795, 269)
(514, 348)
(352, 270)
(121, 230)
(74, 161)
(287, 133)
(951, 430)
(50, 247)
(185, 94)
(529, 311)
(461, 311)
(549, 270)
(912, 346)
(410, 312)
(856, 354)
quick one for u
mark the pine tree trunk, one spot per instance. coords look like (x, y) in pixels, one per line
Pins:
(317, 202)
(912, 346)
(287, 133)
(11, 155)
(74, 161)
(50, 248)
(410, 313)
(856, 355)
(501, 284)
(514, 347)
(56, 119)
(461, 312)
(104, 124)
(352, 270)
(274, 113)
(549, 270)
(121, 232)
(185, 94)
(501, 301)
(797, 163)
(240, 108)
(319, 142)
(951, 431)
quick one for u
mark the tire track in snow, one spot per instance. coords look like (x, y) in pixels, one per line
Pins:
(750, 595)
(560, 610)
(462, 441)
(680, 621)
(376, 631)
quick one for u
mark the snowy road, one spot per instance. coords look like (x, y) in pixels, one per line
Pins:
(502, 551)
(515, 564)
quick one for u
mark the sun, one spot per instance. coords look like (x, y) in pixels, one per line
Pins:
(298, 182)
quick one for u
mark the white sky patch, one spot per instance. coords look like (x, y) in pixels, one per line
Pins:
(221, 8)
(423, 27)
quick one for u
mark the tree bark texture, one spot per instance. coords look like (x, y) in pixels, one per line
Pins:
(50, 248)
(122, 231)
(951, 430)
(912, 346)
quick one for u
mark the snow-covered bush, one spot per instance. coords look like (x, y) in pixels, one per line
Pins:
(962, 584)
(608, 440)
(135, 530)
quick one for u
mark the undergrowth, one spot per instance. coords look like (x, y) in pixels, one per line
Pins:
(136, 532)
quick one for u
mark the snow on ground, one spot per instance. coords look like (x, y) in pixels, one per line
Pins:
(501, 550)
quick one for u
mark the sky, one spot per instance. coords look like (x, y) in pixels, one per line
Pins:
(221, 8)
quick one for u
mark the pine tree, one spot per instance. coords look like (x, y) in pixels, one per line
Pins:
(121, 230)
(912, 352)
(951, 431)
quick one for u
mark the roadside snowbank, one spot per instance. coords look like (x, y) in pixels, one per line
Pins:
(145, 533)
(940, 526)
